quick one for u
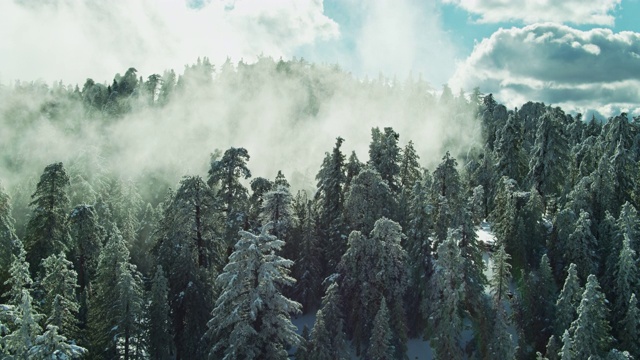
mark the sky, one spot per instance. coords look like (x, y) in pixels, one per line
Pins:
(581, 55)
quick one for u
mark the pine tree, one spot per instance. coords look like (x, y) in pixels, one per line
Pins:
(581, 247)
(502, 345)
(190, 250)
(276, 209)
(330, 196)
(368, 200)
(566, 352)
(352, 169)
(380, 342)
(48, 230)
(446, 182)
(226, 175)
(510, 159)
(160, 337)
(568, 301)
(626, 281)
(550, 151)
(630, 328)
(52, 345)
(59, 284)
(501, 274)
(445, 317)
(26, 328)
(129, 312)
(410, 173)
(251, 317)
(19, 277)
(384, 155)
(552, 349)
(328, 339)
(591, 329)
(259, 187)
(8, 241)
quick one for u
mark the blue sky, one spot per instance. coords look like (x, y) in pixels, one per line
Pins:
(572, 53)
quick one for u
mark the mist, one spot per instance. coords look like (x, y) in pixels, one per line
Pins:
(287, 114)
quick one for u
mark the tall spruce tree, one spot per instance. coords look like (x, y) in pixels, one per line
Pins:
(630, 328)
(385, 155)
(251, 318)
(380, 342)
(328, 338)
(60, 305)
(8, 241)
(591, 330)
(568, 301)
(48, 229)
(160, 337)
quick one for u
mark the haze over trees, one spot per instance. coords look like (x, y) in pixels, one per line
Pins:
(122, 251)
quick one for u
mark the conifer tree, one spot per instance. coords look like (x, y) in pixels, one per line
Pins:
(129, 312)
(502, 345)
(330, 196)
(630, 328)
(552, 349)
(160, 337)
(410, 173)
(368, 200)
(626, 281)
(581, 247)
(190, 250)
(328, 339)
(591, 330)
(352, 169)
(276, 209)
(380, 342)
(19, 277)
(48, 229)
(26, 327)
(225, 175)
(501, 274)
(8, 241)
(384, 155)
(251, 318)
(510, 159)
(566, 352)
(59, 284)
(568, 301)
(52, 345)
(445, 317)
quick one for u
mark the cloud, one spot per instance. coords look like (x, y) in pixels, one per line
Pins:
(71, 40)
(557, 64)
(566, 11)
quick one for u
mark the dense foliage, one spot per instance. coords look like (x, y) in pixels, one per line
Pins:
(103, 262)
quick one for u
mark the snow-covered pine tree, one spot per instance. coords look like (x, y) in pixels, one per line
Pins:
(52, 345)
(60, 304)
(251, 318)
(47, 232)
(501, 345)
(276, 209)
(129, 312)
(352, 169)
(160, 337)
(328, 339)
(501, 274)
(225, 176)
(626, 282)
(380, 347)
(190, 250)
(591, 330)
(566, 351)
(331, 197)
(368, 200)
(25, 327)
(552, 349)
(8, 241)
(581, 247)
(446, 320)
(568, 301)
(510, 159)
(630, 328)
(384, 155)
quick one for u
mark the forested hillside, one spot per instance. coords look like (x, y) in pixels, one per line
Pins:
(193, 215)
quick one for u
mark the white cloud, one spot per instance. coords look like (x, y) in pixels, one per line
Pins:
(71, 40)
(556, 64)
(565, 11)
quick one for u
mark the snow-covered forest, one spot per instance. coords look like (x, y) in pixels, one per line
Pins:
(199, 215)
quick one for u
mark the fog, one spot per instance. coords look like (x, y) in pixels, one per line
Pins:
(286, 114)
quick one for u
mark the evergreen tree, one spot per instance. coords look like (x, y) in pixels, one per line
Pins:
(368, 200)
(568, 301)
(276, 209)
(591, 329)
(566, 352)
(550, 151)
(380, 342)
(502, 345)
(52, 345)
(352, 169)
(48, 229)
(446, 181)
(129, 312)
(553, 348)
(190, 250)
(630, 328)
(410, 173)
(259, 187)
(510, 159)
(251, 317)
(8, 241)
(330, 196)
(328, 339)
(19, 277)
(226, 175)
(445, 316)
(626, 281)
(59, 284)
(501, 270)
(160, 337)
(581, 247)
(26, 328)
(384, 155)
